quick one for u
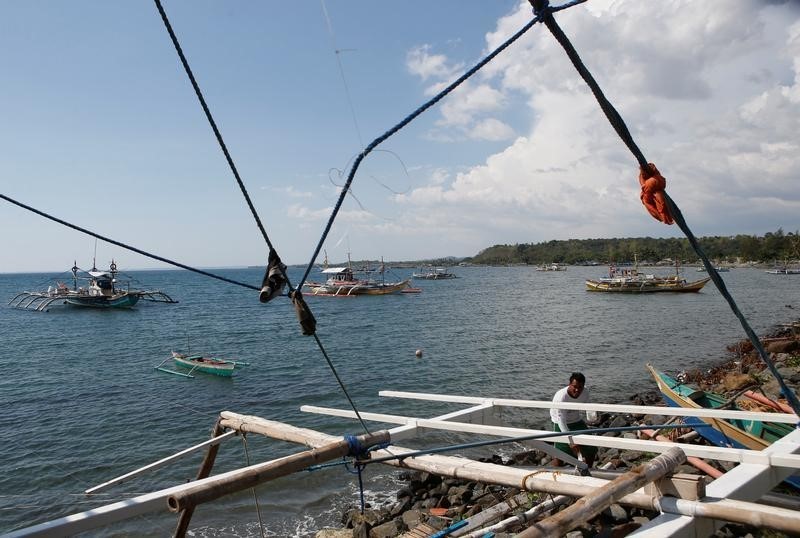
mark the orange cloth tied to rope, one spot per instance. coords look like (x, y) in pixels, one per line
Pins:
(653, 185)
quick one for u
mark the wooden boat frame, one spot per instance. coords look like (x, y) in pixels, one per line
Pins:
(691, 509)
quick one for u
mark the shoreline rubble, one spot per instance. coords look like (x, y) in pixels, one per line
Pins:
(430, 503)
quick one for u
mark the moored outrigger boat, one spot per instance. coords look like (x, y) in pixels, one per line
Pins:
(435, 273)
(343, 283)
(198, 362)
(101, 291)
(631, 280)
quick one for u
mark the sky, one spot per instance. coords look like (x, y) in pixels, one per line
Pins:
(101, 128)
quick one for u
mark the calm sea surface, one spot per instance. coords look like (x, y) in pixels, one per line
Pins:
(83, 404)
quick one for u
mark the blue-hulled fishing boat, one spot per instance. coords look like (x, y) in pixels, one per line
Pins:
(733, 433)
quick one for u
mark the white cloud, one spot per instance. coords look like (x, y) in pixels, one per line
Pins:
(425, 65)
(291, 192)
(708, 88)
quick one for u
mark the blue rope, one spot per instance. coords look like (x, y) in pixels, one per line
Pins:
(408, 119)
(544, 12)
(531, 437)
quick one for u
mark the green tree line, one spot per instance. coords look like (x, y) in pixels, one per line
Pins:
(773, 246)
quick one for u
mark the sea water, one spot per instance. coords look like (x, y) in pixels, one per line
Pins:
(82, 402)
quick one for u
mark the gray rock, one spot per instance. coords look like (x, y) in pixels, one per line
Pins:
(412, 518)
(390, 529)
(616, 513)
(574, 534)
(361, 530)
(400, 507)
(334, 533)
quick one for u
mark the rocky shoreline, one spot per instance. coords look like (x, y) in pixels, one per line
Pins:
(433, 503)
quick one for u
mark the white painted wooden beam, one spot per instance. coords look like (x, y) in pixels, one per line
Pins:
(160, 463)
(747, 481)
(737, 455)
(788, 418)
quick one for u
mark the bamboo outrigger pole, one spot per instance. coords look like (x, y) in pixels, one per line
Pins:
(203, 472)
(592, 504)
(257, 474)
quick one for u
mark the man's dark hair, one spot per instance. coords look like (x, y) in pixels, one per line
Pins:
(579, 377)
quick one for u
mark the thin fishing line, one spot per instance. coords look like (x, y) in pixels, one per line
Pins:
(438, 97)
(337, 51)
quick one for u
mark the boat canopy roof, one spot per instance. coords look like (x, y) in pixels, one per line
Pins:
(335, 270)
(100, 274)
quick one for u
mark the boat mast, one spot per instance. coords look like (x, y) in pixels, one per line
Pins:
(75, 274)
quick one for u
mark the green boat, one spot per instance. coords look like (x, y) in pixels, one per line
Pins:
(198, 362)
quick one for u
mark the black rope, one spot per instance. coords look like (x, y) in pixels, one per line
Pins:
(128, 247)
(408, 119)
(242, 187)
(544, 13)
(217, 133)
(341, 384)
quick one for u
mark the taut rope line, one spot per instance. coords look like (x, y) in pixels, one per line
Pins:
(544, 13)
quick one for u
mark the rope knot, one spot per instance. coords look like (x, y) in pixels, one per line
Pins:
(541, 8)
(356, 448)
(307, 321)
(653, 197)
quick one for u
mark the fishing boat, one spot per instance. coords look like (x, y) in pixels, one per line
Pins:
(631, 280)
(552, 267)
(199, 362)
(342, 282)
(719, 269)
(434, 273)
(731, 433)
(102, 289)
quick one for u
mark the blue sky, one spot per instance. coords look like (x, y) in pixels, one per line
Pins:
(101, 127)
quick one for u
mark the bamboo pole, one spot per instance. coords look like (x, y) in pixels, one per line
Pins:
(274, 430)
(257, 474)
(205, 469)
(766, 401)
(697, 462)
(484, 517)
(597, 501)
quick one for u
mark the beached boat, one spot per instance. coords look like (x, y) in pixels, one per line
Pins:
(630, 280)
(750, 434)
(198, 362)
(342, 282)
(101, 290)
(434, 273)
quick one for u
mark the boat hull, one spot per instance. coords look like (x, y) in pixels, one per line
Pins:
(198, 363)
(723, 433)
(123, 300)
(350, 289)
(645, 286)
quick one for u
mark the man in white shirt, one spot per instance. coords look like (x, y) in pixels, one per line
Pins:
(565, 420)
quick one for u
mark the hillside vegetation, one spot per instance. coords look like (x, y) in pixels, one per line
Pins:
(772, 247)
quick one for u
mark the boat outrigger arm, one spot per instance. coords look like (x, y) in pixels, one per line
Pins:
(42, 300)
